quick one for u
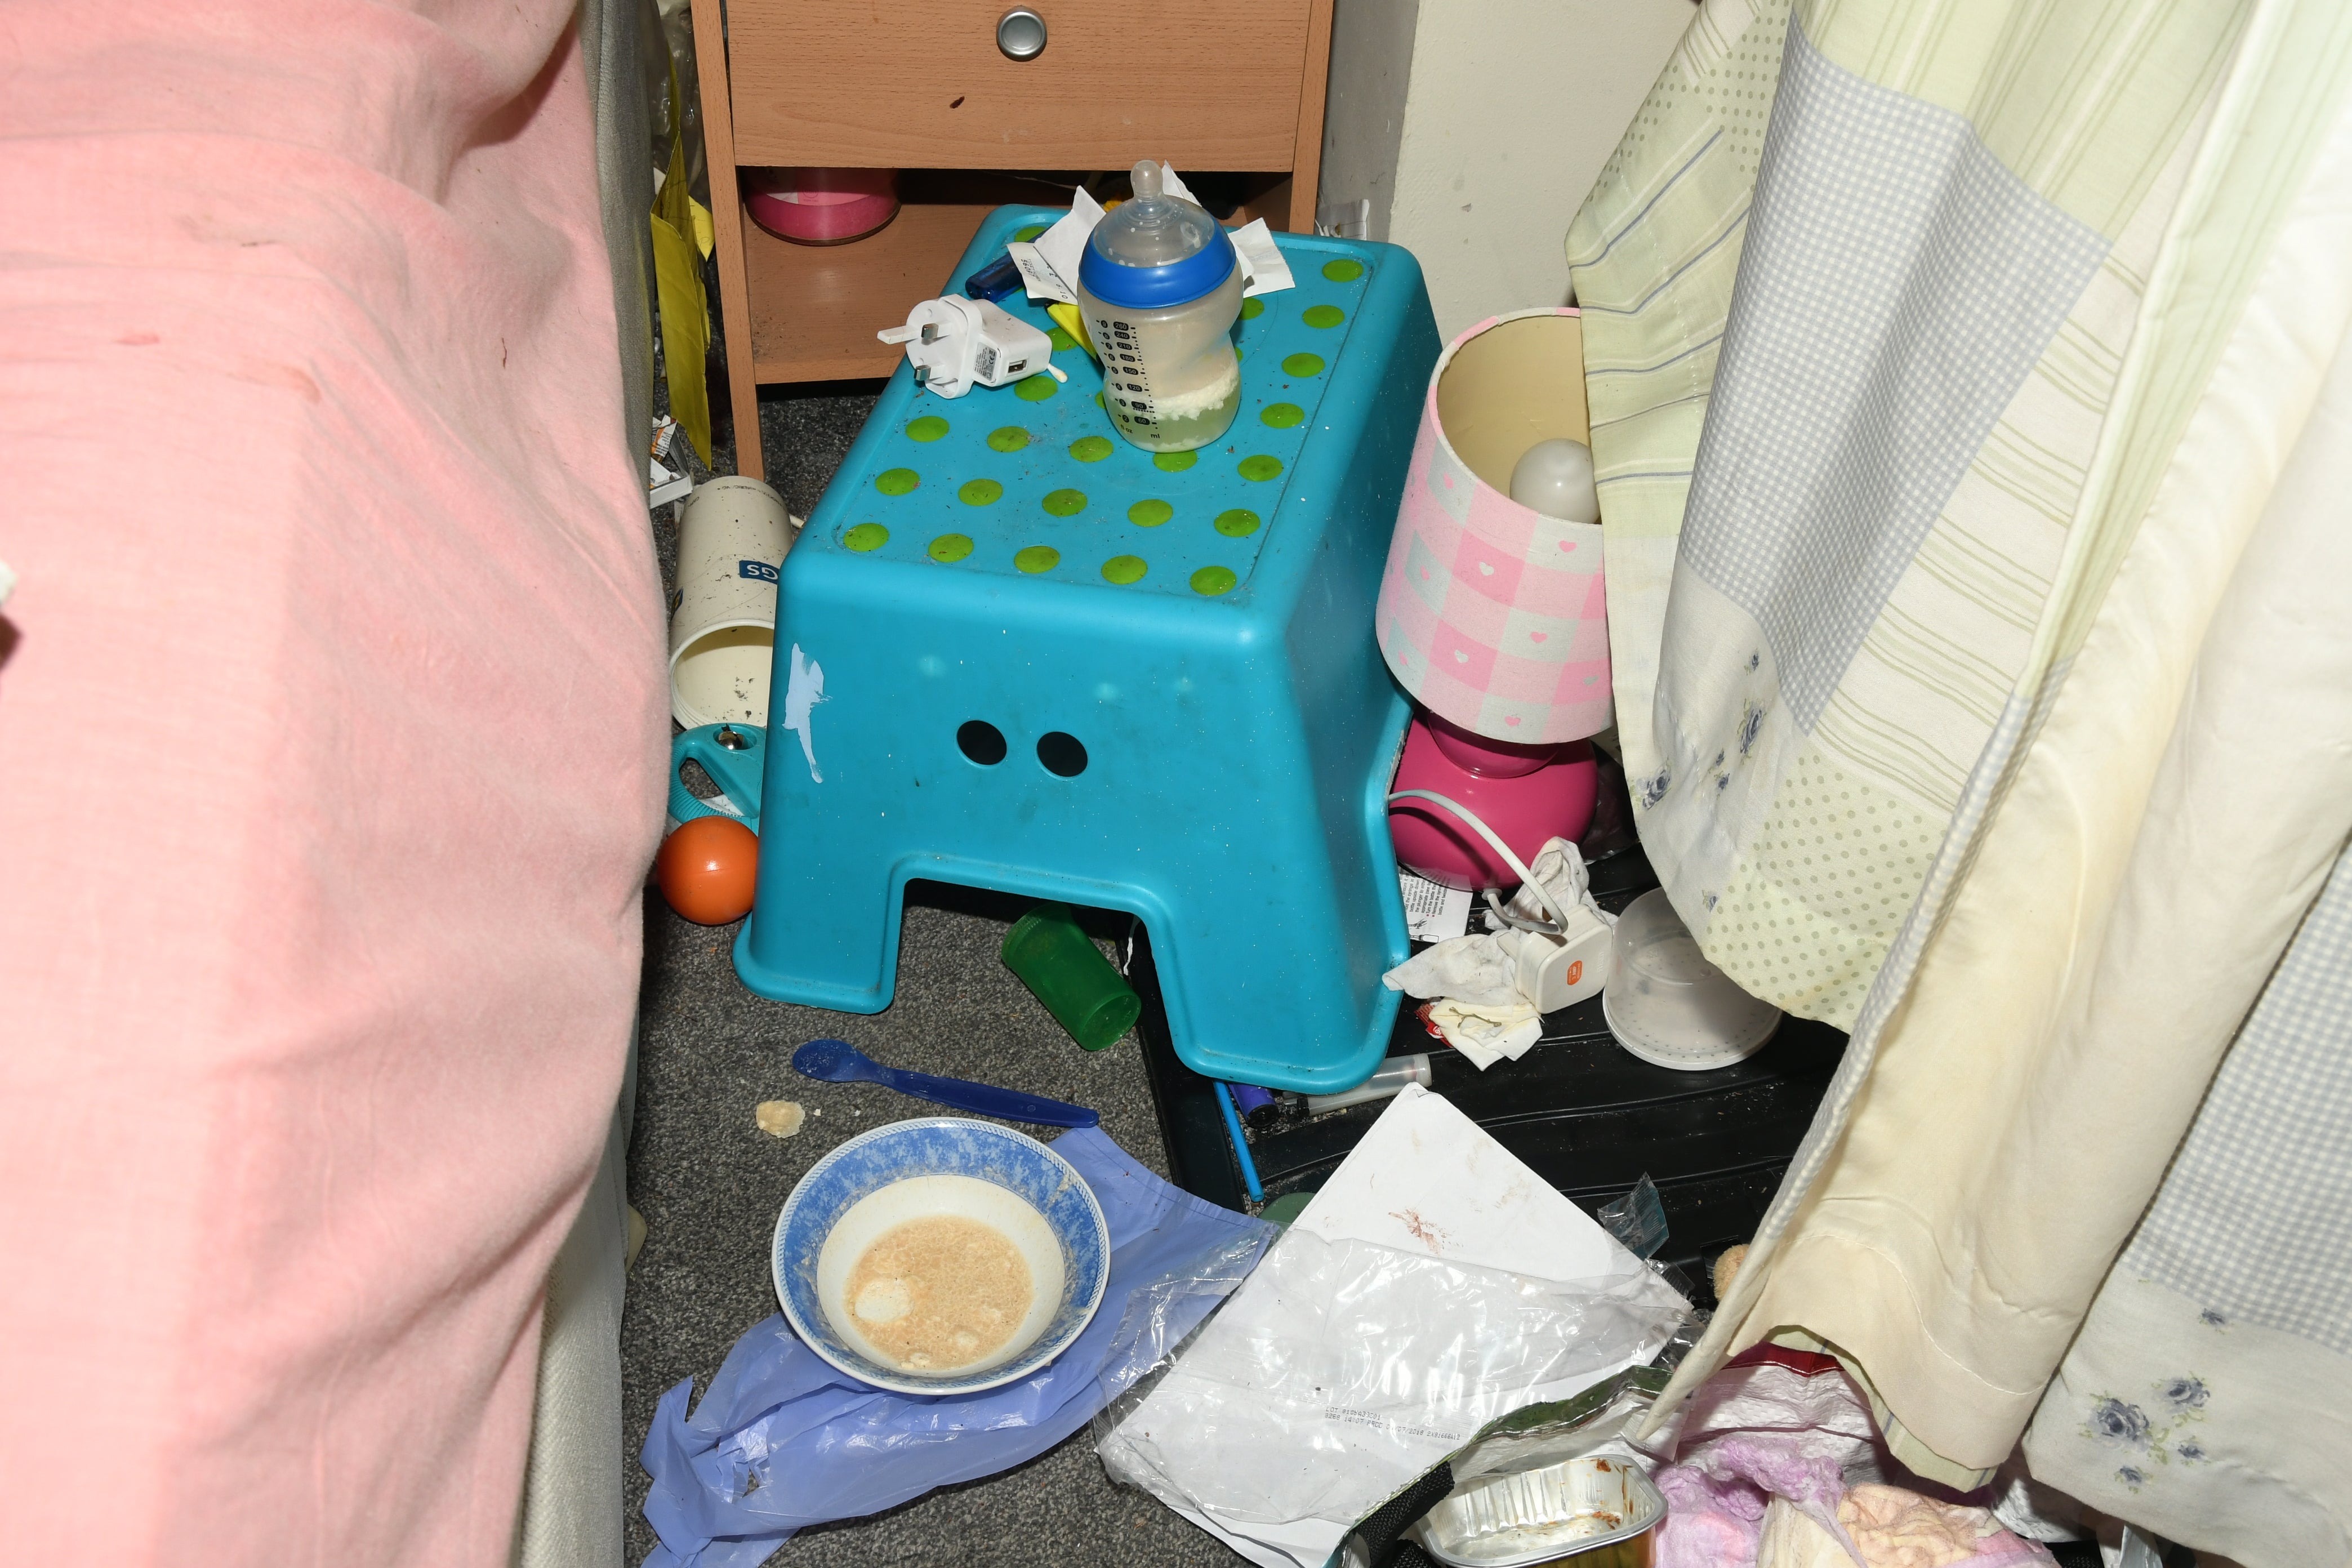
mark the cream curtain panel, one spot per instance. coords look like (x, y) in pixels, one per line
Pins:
(1975, 495)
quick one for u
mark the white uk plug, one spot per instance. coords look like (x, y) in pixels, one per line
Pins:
(1559, 971)
(956, 344)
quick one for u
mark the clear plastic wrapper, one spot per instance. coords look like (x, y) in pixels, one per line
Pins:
(1687, 1333)
(1638, 1220)
(1344, 1369)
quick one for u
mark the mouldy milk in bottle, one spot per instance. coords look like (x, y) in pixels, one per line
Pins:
(1159, 289)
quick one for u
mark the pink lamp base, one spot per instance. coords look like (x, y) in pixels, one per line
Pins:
(1526, 795)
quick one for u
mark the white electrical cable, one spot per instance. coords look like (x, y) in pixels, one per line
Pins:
(1526, 876)
(1495, 908)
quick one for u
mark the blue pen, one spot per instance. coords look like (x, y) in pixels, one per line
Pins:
(1241, 1143)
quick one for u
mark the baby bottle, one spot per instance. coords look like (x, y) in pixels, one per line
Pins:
(1159, 288)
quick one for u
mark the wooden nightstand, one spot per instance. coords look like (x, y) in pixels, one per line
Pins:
(923, 86)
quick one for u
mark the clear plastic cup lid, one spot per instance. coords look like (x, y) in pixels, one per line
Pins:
(1667, 1004)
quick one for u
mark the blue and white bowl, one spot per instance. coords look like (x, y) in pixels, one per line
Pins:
(933, 1166)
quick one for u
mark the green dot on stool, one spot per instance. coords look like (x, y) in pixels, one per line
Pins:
(897, 481)
(1282, 415)
(1010, 438)
(1090, 448)
(1174, 462)
(1150, 513)
(1210, 580)
(949, 547)
(1060, 338)
(1260, 467)
(930, 427)
(1125, 569)
(1036, 388)
(1343, 270)
(1038, 558)
(867, 536)
(1323, 315)
(1065, 503)
(979, 492)
(1238, 523)
(1303, 364)
(1253, 309)
(1026, 235)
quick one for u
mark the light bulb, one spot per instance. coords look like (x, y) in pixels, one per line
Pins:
(1555, 477)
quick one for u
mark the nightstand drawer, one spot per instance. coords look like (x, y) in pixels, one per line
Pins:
(1204, 84)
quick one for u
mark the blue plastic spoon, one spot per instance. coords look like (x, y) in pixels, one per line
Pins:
(838, 1061)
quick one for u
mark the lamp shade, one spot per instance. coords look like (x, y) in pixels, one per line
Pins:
(1491, 615)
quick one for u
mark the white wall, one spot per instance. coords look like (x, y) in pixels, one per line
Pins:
(1363, 109)
(1510, 107)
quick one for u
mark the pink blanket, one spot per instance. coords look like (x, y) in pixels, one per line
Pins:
(330, 727)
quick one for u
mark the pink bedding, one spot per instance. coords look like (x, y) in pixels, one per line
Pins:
(331, 721)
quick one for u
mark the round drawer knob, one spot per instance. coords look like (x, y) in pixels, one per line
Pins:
(1021, 34)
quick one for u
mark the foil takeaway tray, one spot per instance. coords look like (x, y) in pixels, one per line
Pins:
(1597, 1511)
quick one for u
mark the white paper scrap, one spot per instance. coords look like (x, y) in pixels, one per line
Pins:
(1426, 1179)
(663, 485)
(1060, 246)
(1261, 260)
(1432, 911)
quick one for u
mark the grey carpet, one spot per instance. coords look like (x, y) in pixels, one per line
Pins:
(709, 1182)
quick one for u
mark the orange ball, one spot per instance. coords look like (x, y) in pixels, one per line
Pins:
(707, 870)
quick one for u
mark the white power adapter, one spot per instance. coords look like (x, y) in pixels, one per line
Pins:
(1556, 971)
(956, 344)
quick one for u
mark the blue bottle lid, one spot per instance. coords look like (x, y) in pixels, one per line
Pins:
(1154, 250)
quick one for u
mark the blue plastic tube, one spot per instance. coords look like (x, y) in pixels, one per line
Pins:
(1241, 1143)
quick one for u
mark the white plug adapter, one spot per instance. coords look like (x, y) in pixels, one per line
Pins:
(1559, 971)
(956, 344)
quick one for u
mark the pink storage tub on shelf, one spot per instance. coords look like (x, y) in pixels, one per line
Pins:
(821, 207)
(1492, 615)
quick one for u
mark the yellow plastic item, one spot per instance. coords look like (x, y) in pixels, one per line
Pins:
(1066, 317)
(677, 283)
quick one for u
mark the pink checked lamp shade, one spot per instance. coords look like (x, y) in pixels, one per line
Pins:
(1492, 615)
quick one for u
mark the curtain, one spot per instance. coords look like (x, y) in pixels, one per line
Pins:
(1951, 367)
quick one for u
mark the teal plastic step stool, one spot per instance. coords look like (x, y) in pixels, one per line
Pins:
(1014, 651)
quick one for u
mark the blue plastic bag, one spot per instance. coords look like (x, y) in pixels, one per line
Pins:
(782, 1440)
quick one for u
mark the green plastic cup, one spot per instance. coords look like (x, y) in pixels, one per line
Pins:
(1065, 969)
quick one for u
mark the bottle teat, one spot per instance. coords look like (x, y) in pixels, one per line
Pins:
(1156, 227)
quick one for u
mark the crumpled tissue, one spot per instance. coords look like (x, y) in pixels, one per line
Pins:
(1481, 1011)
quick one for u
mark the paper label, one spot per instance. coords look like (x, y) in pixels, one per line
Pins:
(1040, 280)
(1434, 912)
